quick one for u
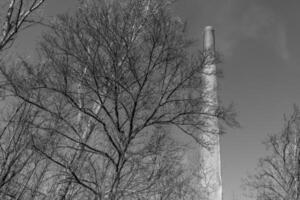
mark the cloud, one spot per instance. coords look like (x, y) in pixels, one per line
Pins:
(255, 21)
(282, 45)
(238, 20)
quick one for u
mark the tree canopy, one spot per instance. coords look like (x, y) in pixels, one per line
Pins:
(278, 175)
(94, 118)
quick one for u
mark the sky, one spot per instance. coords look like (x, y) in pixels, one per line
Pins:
(259, 43)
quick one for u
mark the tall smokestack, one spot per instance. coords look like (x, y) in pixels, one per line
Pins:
(210, 157)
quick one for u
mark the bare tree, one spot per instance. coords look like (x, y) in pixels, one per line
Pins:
(277, 176)
(21, 168)
(115, 79)
(19, 177)
(17, 17)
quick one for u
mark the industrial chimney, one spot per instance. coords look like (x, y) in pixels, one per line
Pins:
(210, 157)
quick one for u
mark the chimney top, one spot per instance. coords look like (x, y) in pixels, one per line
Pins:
(209, 28)
(209, 39)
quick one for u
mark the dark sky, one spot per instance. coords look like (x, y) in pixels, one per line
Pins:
(259, 41)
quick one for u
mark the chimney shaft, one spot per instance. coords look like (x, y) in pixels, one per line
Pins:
(210, 158)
